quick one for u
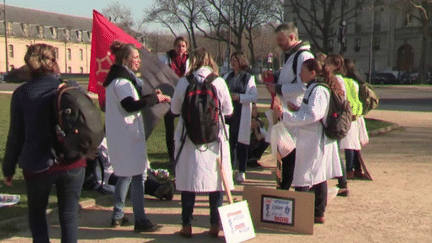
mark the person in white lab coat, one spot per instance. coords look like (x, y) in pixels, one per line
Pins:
(317, 157)
(196, 167)
(243, 92)
(125, 133)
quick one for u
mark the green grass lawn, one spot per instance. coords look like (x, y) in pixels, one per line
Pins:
(156, 149)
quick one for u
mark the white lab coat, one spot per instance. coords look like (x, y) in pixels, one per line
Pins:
(124, 131)
(246, 99)
(293, 92)
(352, 139)
(317, 156)
(197, 171)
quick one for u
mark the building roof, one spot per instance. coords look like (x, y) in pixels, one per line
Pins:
(45, 18)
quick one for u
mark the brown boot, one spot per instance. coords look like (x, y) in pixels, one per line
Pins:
(350, 175)
(214, 230)
(186, 231)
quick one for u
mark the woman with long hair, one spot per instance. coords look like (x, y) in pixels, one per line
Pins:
(317, 157)
(30, 144)
(197, 168)
(125, 133)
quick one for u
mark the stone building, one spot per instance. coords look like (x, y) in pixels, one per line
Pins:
(393, 36)
(70, 35)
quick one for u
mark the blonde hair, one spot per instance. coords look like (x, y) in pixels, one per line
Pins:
(122, 52)
(41, 60)
(200, 58)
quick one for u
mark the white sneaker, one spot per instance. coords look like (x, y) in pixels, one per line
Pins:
(241, 177)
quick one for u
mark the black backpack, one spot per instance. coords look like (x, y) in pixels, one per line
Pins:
(201, 110)
(79, 127)
(339, 116)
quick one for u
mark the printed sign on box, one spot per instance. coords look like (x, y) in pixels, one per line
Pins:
(277, 210)
(281, 209)
(236, 222)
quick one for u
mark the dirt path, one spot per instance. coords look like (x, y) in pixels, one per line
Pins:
(395, 207)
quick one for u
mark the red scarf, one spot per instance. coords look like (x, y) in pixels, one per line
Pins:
(178, 63)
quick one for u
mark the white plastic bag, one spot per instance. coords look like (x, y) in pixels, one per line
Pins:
(281, 140)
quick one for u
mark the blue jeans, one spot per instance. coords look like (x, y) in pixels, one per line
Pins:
(68, 185)
(188, 202)
(136, 184)
(351, 157)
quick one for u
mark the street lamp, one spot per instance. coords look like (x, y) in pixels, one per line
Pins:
(6, 35)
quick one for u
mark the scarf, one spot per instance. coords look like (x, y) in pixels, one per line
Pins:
(178, 63)
(120, 71)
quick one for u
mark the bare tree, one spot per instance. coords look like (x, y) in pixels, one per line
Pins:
(177, 12)
(424, 10)
(318, 18)
(119, 14)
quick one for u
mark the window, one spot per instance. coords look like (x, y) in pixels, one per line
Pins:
(407, 19)
(40, 31)
(81, 54)
(57, 52)
(69, 69)
(54, 32)
(25, 29)
(81, 69)
(11, 51)
(376, 43)
(9, 29)
(357, 44)
(69, 54)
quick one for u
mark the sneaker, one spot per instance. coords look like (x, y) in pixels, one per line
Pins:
(350, 175)
(146, 226)
(214, 231)
(241, 177)
(319, 220)
(186, 231)
(254, 164)
(343, 190)
(119, 222)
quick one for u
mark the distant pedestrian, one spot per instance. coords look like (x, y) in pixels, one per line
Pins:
(197, 168)
(30, 144)
(125, 133)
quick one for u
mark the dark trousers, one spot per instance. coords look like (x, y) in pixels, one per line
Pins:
(68, 185)
(239, 153)
(257, 150)
(320, 191)
(288, 164)
(188, 202)
(169, 136)
(352, 159)
(342, 181)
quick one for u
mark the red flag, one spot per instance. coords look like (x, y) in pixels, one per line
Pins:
(103, 34)
(154, 73)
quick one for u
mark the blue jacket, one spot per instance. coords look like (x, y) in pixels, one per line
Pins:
(31, 132)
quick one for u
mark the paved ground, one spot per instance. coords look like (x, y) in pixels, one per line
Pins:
(395, 207)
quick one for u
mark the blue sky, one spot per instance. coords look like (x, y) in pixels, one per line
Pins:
(83, 8)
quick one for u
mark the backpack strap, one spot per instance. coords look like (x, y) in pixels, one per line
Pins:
(295, 63)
